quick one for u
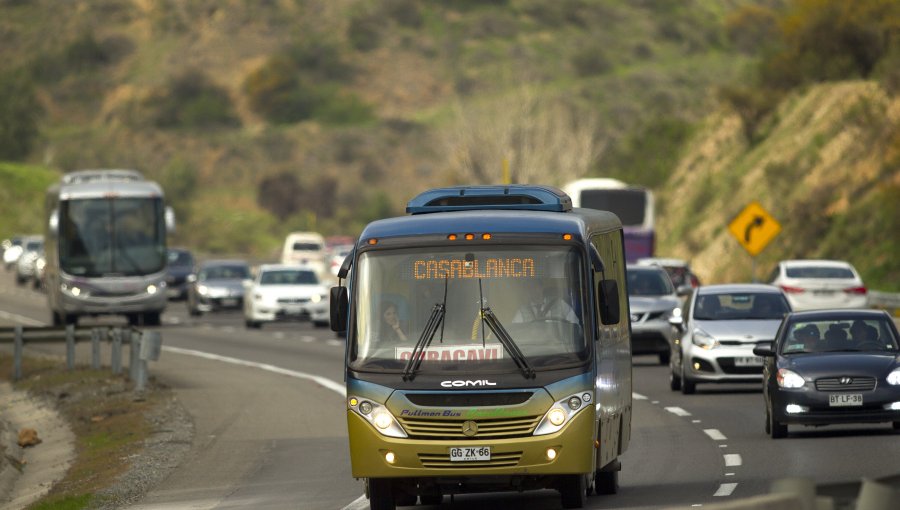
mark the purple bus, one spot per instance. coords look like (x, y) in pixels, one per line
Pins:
(632, 204)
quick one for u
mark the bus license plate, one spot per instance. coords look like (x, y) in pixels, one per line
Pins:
(748, 361)
(841, 400)
(470, 453)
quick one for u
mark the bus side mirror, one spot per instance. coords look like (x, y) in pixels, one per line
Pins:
(53, 223)
(609, 302)
(339, 305)
(170, 220)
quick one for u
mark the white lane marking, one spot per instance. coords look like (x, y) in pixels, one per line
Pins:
(308, 339)
(278, 334)
(695, 421)
(725, 489)
(715, 434)
(655, 402)
(677, 411)
(359, 503)
(732, 459)
(20, 318)
(638, 396)
(334, 343)
(729, 474)
(326, 383)
(723, 446)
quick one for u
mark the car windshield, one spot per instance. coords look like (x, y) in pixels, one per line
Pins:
(741, 306)
(819, 272)
(535, 293)
(180, 258)
(648, 283)
(234, 272)
(839, 335)
(288, 277)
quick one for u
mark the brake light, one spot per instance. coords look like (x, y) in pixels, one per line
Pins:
(792, 290)
(856, 290)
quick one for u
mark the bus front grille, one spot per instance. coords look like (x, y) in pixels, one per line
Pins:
(442, 461)
(453, 429)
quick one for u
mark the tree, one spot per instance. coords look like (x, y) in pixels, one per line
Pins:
(19, 114)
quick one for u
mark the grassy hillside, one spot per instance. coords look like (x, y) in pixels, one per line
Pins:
(827, 167)
(22, 190)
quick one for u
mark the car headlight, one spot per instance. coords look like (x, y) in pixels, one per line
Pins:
(704, 340)
(378, 415)
(894, 377)
(789, 379)
(315, 298)
(562, 411)
(151, 289)
(202, 290)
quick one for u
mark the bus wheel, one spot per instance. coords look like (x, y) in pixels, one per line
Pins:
(606, 482)
(431, 499)
(381, 494)
(572, 491)
(152, 319)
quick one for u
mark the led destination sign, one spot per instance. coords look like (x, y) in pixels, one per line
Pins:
(499, 267)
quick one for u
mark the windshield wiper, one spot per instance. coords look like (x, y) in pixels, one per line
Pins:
(434, 320)
(488, 317)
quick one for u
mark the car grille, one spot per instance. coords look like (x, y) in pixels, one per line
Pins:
(854, 384)
(292, 301)
(469, 399)
(453, 429)
(442, 461)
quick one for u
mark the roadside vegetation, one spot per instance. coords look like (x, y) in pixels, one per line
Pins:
(109, 424)
(261, 118)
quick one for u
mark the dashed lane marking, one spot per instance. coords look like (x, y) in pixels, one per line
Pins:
(725, 489)
(677, 411)
(360, 503)
(732, 459)
(638, 396)
(715, 434)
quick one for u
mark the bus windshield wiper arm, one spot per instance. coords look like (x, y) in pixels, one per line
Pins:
(487, 315)
(415, 359)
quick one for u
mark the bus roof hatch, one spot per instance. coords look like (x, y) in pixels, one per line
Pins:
(510, 197)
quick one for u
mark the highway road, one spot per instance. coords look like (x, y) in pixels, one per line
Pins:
(270, 429)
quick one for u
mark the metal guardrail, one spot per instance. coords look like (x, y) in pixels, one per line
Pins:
(885, 300)
(144, 346)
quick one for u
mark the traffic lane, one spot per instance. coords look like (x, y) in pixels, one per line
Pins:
(261, 440)
(835, 454)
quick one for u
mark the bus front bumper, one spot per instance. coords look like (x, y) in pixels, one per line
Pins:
(522, 456)
(143, 302)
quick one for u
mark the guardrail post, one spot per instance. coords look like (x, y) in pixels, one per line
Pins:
(95, 348)
(17, 354)
(116, 359)
(151, 345)
(70, 347)
(134, 351)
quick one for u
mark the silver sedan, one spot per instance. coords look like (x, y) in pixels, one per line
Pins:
(720, 325)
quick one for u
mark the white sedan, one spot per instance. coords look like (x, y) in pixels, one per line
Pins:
(817, 284)
(285, 293)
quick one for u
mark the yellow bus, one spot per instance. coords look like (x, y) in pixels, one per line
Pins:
(488, 347)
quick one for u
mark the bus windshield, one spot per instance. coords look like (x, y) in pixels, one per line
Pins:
(104, 237)
(534, 292)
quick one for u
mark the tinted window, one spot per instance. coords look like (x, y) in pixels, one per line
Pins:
(307, 247)
(180, 258)
(839, 335)
(224, 272)
(741, 306)
(628, 204)
(819, 272)
(648, 283)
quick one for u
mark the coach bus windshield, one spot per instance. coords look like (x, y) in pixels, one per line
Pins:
(104, 237)
(534, 292)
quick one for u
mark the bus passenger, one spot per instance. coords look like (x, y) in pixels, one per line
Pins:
(391, 330)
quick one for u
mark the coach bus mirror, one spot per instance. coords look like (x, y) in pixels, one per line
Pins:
(345, 266)
(596, 260)
(609, 302)
(53, 223)
(764, 349)
(339, 306)
(170, 220)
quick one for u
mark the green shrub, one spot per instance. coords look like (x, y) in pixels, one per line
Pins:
(19, 114)
(648, 155)
(82, 55)
(364, 31)
(591, 59)
(191, 100)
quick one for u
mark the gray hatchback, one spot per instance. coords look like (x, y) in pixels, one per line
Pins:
(217, 285)
(653, 301)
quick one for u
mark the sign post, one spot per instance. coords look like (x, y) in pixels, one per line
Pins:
(754, 228)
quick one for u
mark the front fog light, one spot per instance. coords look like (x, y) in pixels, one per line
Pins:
(556, 416)
(574, 403)
(365, 407)
(795, 409)
(390, 457)
(551, 453)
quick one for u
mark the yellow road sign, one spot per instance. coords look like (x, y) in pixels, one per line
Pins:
(754, 228)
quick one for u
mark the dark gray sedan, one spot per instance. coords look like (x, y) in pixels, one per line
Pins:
(217, 285)
(832, 366)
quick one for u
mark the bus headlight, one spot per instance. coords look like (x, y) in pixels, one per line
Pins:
(378, 415)
(562, 411)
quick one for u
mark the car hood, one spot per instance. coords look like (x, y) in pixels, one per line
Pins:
(298, 291)
(746, 331)
(641, 304)
(851, 363)
(232, 285)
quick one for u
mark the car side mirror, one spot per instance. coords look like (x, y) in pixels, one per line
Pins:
(340, 303)
(766, 349)
(684, 290)
(678, 322)
(609, 302)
